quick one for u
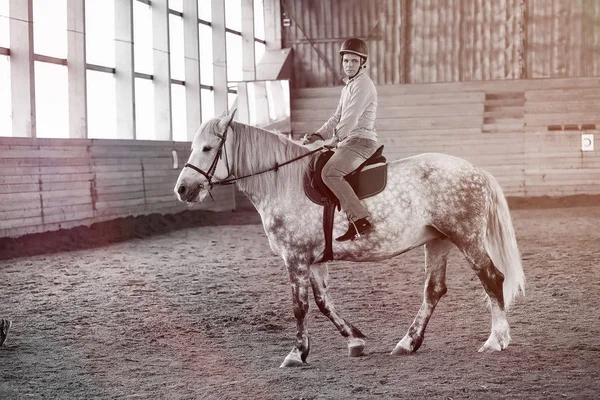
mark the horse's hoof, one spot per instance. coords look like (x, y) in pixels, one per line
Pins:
(407, 345)
(400, 351)
(291, 363)
(490, 347)
(356, 347)
(292, 360)
(496, 342)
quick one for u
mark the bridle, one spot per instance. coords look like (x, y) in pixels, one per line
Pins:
(210, 174)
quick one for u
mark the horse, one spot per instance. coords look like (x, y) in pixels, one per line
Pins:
(436, 200)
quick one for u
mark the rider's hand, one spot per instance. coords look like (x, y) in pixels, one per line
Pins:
(331, 143)
(310, 138)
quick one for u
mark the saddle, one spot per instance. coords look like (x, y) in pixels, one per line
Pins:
(367, 180)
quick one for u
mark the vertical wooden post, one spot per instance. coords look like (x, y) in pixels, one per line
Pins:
(219, 56)
(22, 68)
(272, 24)
(124, 71)
(76, 66)
(248, 64)
(192, 67)
(162, 70)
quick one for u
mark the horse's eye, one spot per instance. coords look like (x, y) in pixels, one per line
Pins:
(206, 149)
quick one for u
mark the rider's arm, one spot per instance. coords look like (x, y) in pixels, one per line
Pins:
(328, 128)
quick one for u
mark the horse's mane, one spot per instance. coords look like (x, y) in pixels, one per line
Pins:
(256, 150)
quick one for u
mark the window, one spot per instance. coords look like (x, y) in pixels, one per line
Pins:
(99, 32)
(144, 109)
(102, 112)
(259, 51)
(50, 28)
(208, 104)
(4, 24)
(235, 70)
(259, 20)
(233, 15)
(179, 113)
(51, 100)
(205, 10)
(206, 55)
(231, 99)
(176, 44)
(5, 100)
(142, 32)
(176, 5)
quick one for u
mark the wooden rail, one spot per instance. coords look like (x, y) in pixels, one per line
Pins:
(50, 184)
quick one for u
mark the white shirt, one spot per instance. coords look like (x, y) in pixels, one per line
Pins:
(356, 111)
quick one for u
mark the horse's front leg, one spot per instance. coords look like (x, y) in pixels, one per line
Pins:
(299, 279)
(319, 276)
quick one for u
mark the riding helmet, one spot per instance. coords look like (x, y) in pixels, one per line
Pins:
(354, 46)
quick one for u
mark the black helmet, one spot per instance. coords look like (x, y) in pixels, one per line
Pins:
(354, 46)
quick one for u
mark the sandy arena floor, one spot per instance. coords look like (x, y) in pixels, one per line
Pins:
(205, 313)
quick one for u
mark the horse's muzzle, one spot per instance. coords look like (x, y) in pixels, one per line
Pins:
(187, 195)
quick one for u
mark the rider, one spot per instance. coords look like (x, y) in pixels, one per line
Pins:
(351, 132)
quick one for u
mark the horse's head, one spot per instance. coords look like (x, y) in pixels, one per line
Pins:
(208, 162)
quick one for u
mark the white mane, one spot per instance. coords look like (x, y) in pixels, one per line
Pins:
(256, 150)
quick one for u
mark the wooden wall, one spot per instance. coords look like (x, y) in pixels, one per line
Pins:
(49, 184)
(501, 127)
(429, 41)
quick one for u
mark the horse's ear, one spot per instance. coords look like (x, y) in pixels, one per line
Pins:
(226, 120)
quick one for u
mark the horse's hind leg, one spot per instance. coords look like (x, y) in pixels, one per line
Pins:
(492, 280)
(318, 279)
(436, 256)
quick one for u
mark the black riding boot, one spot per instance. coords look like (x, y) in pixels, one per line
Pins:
(359, 227)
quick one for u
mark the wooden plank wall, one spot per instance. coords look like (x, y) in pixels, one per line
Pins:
(425, 41)
(49, 184)
(454, 118)
(563, 38)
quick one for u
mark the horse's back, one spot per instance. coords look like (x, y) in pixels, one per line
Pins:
(444, 188)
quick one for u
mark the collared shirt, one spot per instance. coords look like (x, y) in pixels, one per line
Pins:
(356, 111)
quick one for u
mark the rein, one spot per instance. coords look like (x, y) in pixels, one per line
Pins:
(210, 174)
(274, 168)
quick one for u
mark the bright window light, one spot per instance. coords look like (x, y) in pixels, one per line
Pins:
(233, 15)
(208, 104)
(144, 109)
(206, 55)
(176, 5)
(5, 100)
(231, 99)
(99, 32)
(176, 44)
(179, 113)
(142, 32)
(102, 112)
(259, 51)
(205, 10)
(51, 100)
(50, 28)
(234, 57)
(4, 24)
(259, 19)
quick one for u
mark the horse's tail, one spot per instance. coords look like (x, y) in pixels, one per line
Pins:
(501, 244)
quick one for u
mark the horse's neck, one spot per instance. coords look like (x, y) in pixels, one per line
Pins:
(257, 150)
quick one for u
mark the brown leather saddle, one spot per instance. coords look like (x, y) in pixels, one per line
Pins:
(367, 180)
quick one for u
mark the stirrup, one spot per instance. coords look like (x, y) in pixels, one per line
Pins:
(356, 230)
